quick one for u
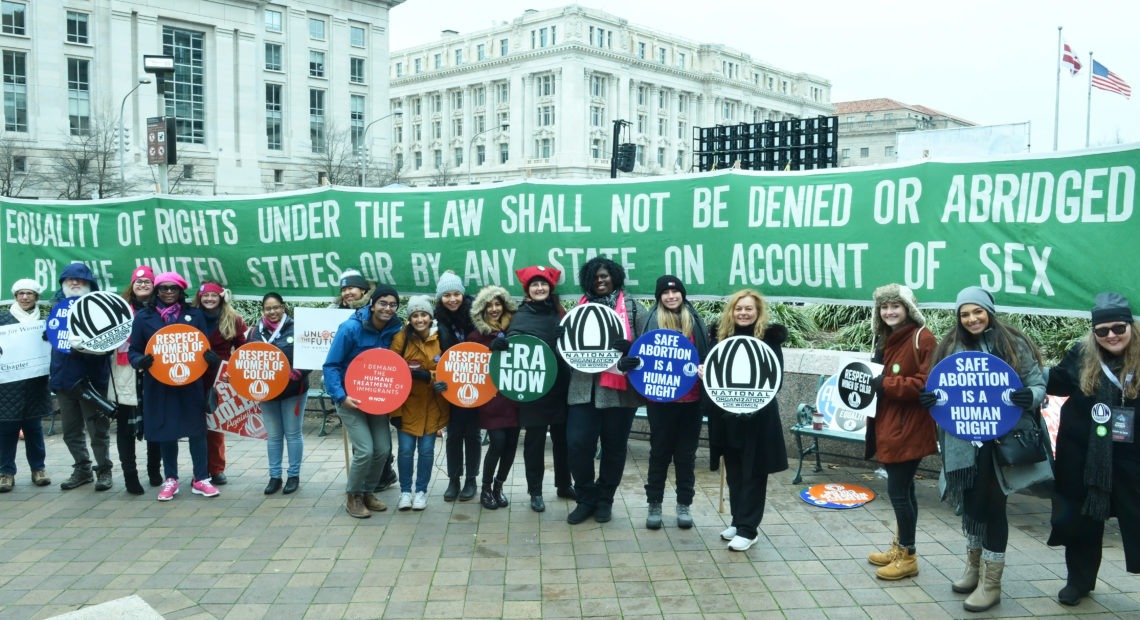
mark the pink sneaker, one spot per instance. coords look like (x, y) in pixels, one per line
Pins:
(203, 487)
(169, 490)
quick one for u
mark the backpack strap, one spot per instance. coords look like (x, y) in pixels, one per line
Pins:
(917, 333)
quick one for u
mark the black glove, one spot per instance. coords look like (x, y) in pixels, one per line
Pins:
(439, 386)
(139, 429)
(559, 331)
(628, 363)
(499, 343)
(927, 399)
(146, 362)
(623, 345)
(1022, 398)
(211, 357)
(420, 374)
(877, 386)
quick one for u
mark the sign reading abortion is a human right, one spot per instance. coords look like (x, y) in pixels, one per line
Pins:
(668, 367)
(589, 337)
(742, 375)
(526, 371)
(973, 395)
(57, 333)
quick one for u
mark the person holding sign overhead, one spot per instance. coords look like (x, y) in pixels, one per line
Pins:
(491, 313)
(25, 402)
(752, 445)
(425, 412)
(674, 427)
(370, 436)
(902, 431)
(171, 412)
(1098, 457)
(284, 413)
(971, 474)
(602, 405)
(538, 315)
(226, 331)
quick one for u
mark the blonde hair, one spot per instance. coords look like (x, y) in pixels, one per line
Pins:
(1093, 354)
(227, 316)
(728, 326)
(680, 320)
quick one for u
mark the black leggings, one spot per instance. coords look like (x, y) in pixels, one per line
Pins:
(127, 419)
(463, 437)
(900, 488)
(985, 503)
(500, 453)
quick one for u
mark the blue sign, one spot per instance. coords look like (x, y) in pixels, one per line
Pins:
(668, 367)
(57, 333)
(836, 416)
(973, 395)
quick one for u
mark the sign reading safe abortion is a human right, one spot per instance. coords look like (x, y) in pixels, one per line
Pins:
(973, 395)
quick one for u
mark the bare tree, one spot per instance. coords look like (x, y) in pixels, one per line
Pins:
(444, 174)
(88, 166)
(337, 160)
(15, 177)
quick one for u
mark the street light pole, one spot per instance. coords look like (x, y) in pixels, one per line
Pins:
(122, 141)
(360, 147)
(471, 146)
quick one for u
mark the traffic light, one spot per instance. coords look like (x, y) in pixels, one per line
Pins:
(626, 156)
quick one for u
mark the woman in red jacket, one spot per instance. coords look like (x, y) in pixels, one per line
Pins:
(226, 332)
(902, 431)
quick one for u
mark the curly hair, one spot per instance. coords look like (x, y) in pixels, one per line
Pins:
(589, 271)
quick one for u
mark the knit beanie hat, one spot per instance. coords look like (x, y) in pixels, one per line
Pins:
(211, 287)
(665, 283)
(170, 277)
(449, 282)
(978, 296)
(142, 271)
(1111, 307)
(420, 303)
(384, 290)
(27, 284)
(352, 278)
(899, 294)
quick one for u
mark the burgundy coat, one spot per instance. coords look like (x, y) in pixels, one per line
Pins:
(903, 430)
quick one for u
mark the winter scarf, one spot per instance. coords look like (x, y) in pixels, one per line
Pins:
(1098, 457)
(169, 313)
(25, 316)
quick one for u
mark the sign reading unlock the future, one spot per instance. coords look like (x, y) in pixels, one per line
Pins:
(973, 395)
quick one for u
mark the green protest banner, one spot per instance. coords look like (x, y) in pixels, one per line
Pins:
(1044, 233)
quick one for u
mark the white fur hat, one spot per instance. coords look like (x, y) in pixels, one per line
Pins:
(27, 284)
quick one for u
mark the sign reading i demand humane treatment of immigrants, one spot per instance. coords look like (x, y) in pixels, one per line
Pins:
(668, 367)
(590, 333)
(973, 395)
(526, 371)
(380, 379)
(466, 368)
(179, 352)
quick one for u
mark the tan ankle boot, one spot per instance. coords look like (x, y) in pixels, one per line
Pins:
(904, 565)
(372, 503)
(969, 579)
(354, 505)
(988, 592)
(883, 558)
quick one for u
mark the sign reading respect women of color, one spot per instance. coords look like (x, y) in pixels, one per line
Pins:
(1036, 230)
(259, 371)
(179, 352)
(973, 395)
(466, 368)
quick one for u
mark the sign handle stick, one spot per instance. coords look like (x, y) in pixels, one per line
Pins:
(722, 485)
(344, 433)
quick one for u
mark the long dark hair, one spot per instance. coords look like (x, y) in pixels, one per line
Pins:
(1003, 341)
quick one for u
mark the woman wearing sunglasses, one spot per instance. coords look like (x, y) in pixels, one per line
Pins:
(1098, 457)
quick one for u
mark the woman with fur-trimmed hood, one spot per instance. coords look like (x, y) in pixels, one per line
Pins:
(491, 313)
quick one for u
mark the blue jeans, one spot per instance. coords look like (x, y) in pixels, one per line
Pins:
(282, 420)
(409, 446)
(586, 425)
(197, 457)
(371, 439)
(33, 444)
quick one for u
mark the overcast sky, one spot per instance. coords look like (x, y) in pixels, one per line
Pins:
(989, 62)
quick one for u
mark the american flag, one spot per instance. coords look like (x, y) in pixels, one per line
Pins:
(1068, 58)
(1104, 79)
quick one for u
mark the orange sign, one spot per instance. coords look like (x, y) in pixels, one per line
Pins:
(259, 371)
(179, 352)
(379, 379)
(466, 368)
(235, 414)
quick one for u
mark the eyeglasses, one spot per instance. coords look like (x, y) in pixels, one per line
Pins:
(1117, 329)
(388, 304)
(273, 309)
(144, 282)
(169, 288)
(24, 293)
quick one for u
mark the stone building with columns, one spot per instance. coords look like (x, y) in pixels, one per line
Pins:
(537, 98)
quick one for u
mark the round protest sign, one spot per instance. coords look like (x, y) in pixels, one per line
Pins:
(855, 385)
(742, 374)
(179, 352)
(57, 325)
(668, 367)
(99, 322)
(835, 415)
(379, 379)
(526, 371)
(466, 368)
(973, 395)
(590, 332)
(837, 495)
(258, 371)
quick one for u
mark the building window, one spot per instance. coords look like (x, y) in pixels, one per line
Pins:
(504, 152)
(641, 122)
(845, 153)
(480, 52)
(272, 20)
(19, 163)
(15, 91)
(601, 37)
(399, 162)
(728, 110)
(864, 152)
(12, 21)
(437, 61)
(597, 148)
(680, 60)
(641, 51)
(316, 29)
(504, 118)
(480, 123)
(437, 158)
(662, 99)
(417, 132)
(642, 95)
(598, 86)
(398, 134)
(458, 156)
(419, 64)
(356, 36)
(317, 120)
(480, 154)
(458, 57)
(503, 93)
(889, 151)
(437, 130)
(504, 47)
(278, 175)
(544, 147)
(662, 126)
(597, 116)
(417, 106)
(356, 120)
(661, 157)
(356, 70)
(681, 128)
(273, 57)
(457, 127)
(78, 96)
(273, 117)
(457, 100)
(418, 159)
(640, 155)
(437, 103)
(316, 64)
(76, 27)
(399, 69)
(545, 115)
(479, 94)
(661, 55)
(682, 103)
(187, 101)
(543, 37)
(545, 86)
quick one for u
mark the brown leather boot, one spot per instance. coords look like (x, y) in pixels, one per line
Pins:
(373, 504)
(904, 565)
(883, 558)
(354, 505)
(969, 579)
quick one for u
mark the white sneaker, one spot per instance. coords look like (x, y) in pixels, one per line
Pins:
(740, 543)
(405, 501)
(420, 502)
(728, 534)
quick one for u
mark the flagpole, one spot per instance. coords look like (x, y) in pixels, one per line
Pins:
(1057, 101)
(1088, 113)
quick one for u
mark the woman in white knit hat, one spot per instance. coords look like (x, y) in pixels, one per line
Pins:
(23, 403)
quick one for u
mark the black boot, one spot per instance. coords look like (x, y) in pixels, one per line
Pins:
(131, 480)
(468, 491)
(487, 498)
(452, 490)
(497, 492)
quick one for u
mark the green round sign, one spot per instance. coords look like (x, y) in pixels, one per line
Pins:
(525, 372)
